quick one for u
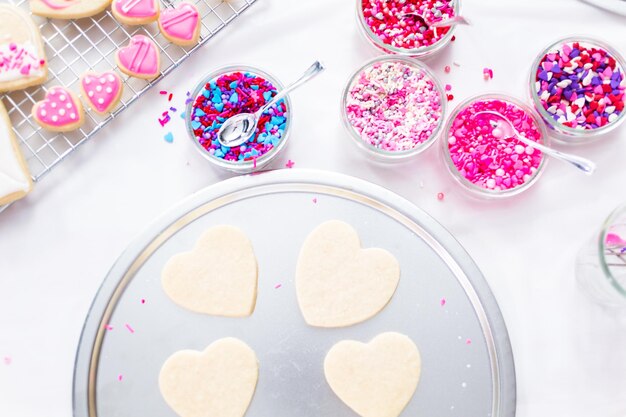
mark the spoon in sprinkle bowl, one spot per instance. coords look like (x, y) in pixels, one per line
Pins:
(455, 20)
(509, 131)
(241, 127)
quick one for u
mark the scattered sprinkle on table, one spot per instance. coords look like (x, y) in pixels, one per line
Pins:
(130, 329)
(8, 360)
(108, 327)
(581, 85)
(227, 95)
(487, 74)
(483, 156)
(290, 164)
(392, 22)
(442, 302)
(277, 286)
(120, 377)
(169, 137)
(394, 105)
(441, 196)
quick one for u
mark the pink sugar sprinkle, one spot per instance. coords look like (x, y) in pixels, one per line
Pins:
(108, 327)
(143, 301)
(487, 73)
(442, 302)
(130, 329)
(277, 286)
(8, 360)
(314, 200)
(468, 342)
(163, 92)
(447, 69)
(290, 164)
(448, 87)
(441, 196)
(120, 377)
(483, 155)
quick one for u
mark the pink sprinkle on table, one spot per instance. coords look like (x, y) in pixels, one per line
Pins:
(442, 302)
(468, 342)
(120, 377)
(441, 196)
(487, 73)
(108, 327)
(394, 106)
(143, 301)
(314, 200)
(480, 152)
(130, 329)
(290, 164)
(8, 360)
(277, 286)
(447, 69)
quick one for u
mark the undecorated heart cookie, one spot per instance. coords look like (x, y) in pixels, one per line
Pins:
(22, 58)
(68, 9)
(218, 382)
(181, 25)
(377, 379)
(218, 277)
(338, 283)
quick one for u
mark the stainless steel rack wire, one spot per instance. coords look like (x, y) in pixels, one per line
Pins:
(76, 46)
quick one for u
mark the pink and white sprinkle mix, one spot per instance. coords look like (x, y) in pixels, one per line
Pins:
(394, 21)
(394, 106)
(483, 155)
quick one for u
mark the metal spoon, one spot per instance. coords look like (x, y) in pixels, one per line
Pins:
(455, 20)
(581, 163)
(241, 127)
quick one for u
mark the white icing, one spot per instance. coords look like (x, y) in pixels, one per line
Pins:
(31, 58)
(12, 178)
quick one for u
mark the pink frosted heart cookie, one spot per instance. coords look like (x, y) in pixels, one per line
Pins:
(68, 9)
(136, 12)
(181, 25)
(139, 59)
(59, 111)
(102, 91)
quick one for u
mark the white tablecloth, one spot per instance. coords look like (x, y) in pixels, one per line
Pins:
(57, 245)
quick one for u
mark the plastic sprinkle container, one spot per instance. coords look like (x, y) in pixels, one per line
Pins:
(233, 90)
(393, 108)
(577, 84)
(391, 26)
(482, 158)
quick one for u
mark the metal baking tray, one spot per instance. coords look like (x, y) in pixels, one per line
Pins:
(467, 367)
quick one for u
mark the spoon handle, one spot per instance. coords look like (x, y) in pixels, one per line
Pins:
(579, 162)
(456, 20)
(313, 70)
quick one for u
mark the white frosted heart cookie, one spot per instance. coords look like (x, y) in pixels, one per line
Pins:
(220, 381)
(338, 283)
(15, 181)
(68, 9)
(377, 379)
(22, 58)
(218, 277)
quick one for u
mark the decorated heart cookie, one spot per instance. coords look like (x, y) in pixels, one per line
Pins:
(136, 12)
(15, 180)
(377, 379)
(140, 58)
(181, 25)
(338, 283)
(68, 9)
(22, 58)
(102, 91)
(218, 382)
(59, 111)
(218, 277)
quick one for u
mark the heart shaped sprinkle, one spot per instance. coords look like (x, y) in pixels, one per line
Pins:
(338, 283)
(218, 277)
(140, 58)
(377, 379)
(102, 91)
(220, 381)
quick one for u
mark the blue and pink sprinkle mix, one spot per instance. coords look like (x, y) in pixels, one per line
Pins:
(230, 94)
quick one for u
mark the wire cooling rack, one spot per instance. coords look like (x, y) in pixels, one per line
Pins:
(76, 46)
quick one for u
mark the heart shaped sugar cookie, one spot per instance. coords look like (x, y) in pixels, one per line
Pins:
(339, 284)
(136, 12)
(140, 58)
(102, 91)
(377, 379)
(218, 277)
(59, 111)
(181, 25)
(220, 381)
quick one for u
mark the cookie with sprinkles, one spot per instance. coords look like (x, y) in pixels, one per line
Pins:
(22, 59)
(578, 87)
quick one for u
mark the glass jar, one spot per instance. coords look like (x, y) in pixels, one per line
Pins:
(541, 74)
(601, 263)
(432, 117)
(210, 152)
(492, 180)
(422, 51)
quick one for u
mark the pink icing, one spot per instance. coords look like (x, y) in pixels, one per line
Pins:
(58, 108)
(58, 6)
(102, 90)
(181, 22)
(136, 8)
(140, 56)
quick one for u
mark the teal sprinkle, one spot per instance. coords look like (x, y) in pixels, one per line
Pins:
(206, 93)
(182, 115)
(195, 124)
(254, 87)
(267, 95)
(219, 106)
(234, 98)
(233, 85)
(169, 138)
(200, 112)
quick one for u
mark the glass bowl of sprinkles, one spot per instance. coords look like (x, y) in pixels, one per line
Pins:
(482, 158)
(228, 91)
(392, 25)
(393, 108)
(578, 86)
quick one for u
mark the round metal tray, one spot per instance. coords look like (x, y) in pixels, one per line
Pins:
(467, 365)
